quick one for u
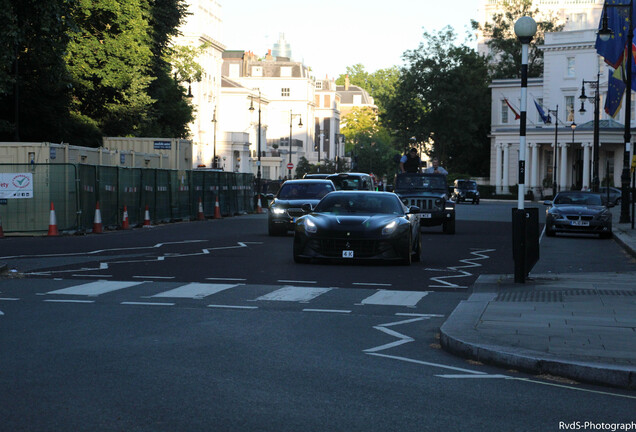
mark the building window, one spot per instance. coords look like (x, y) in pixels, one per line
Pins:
(284, 92)
(571, 65)
(318, 85)
(569, 108)
(285, 71)
(317, 100)
(257, 71)
(504, 112)
(327, 101)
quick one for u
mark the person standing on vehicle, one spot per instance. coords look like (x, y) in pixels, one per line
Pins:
(435, 168)
(411, 162)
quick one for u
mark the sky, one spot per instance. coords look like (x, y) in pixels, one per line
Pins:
(329, 35)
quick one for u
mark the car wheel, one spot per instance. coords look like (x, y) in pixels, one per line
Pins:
(417, 254)
(606, 235)
(549, 232)
(449, 227)
(297, 258)
(275, 231)
(406, 260)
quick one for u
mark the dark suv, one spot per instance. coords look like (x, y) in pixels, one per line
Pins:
(352, 181)
(429, 192)
(287, 204)
(465, 190)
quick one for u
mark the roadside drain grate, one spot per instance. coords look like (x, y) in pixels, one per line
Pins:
(556, 296)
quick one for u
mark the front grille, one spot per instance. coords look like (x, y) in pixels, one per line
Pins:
(424, 203)
(583, 218)
(360, 248)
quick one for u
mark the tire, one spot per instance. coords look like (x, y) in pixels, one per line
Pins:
(274, 231)
(549, 232)
(297, 258)
(407, 259)
(417, 255)
(449, 227)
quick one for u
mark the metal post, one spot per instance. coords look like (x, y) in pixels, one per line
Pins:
(556, 146)
(624, 218)
(597, 103)
(291, 117)
(214, 162)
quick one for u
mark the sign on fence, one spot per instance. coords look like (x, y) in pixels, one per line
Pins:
(16, 185)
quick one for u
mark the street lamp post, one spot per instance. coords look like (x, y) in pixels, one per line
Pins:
(300, 124)
(258, 162)
(604, 34)
(556, 135)
(525, 29)
(214, 161)
(322, 137)
(583, 98)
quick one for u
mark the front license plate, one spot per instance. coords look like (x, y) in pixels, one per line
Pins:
(580, 223)
(426, 215)
(347, 254)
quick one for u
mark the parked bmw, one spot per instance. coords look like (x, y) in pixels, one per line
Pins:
(287, 203)
(578, 212)
(359, 225)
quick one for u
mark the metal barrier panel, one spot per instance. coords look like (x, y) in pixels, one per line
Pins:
(180, 188)
(130, 194)
(225, 193)
(211, 192)
(52, 184)
(162, 196)
(88, 195)
(148, 193)
(108, 195)
(198, 182)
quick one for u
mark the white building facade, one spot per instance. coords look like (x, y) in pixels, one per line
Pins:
(569, 58)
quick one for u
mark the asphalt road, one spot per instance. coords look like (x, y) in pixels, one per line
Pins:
(211, 326)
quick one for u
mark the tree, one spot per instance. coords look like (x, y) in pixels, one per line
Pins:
(505, 54)
(379, 84)
(443, 97)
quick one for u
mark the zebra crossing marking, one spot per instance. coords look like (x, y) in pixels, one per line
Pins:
(93, 289)
(294, 294)
(395, 298)
(195, 290)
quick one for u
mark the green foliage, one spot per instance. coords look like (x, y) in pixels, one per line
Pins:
(443, 99)
(380, 84)
(326, 166)
(505, 55)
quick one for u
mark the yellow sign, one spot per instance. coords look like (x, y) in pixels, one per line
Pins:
(633, 162)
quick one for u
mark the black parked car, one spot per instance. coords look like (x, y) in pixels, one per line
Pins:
(465, 190)
(615, 195)
(287, 204)
(359, 225)
(352, 181)
(429, 192)
(578, 212)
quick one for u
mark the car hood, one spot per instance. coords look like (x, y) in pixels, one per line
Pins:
(578, 209)
(353, 221)
(297, 203)
(420, 193)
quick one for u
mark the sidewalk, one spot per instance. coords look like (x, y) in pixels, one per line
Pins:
(579, 326)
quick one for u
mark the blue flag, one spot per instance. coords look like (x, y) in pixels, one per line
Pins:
(546, 118)
(618, 21)
(615, 90)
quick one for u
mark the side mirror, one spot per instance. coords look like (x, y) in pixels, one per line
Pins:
(547, 202)
(269, 196)
(414, 210)
(307, 208)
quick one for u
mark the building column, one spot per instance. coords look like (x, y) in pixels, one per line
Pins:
(528, 166)
(586, 166)
(498, 157)
(563, 178)
(506, 169)
(534, 175)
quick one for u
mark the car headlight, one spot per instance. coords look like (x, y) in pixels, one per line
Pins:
(449, 208)
(278, 211)
(310, 226)
(603, 216)
(557, 215)
(389, 228)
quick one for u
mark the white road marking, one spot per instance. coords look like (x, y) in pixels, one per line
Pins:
(294, 294)
(1, 313)
(90, 275)
(469, 264)
(425, 363)
(69, 301)
(371, 284)
(395, 298)
(232, 307)
(153, 277)
(226, 279)
(95, 288)
(473, 376)
(147, 304)
(195, 290)
(9, 299)
(296, 281)
(420, 315)
(327, 310)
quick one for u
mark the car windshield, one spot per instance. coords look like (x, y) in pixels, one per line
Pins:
(467, 184)
(291, 191)
(578, 199)
(346, 183)
(359, 203)
(420, 182)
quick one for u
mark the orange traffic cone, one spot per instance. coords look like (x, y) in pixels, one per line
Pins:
(147, 217)
(1, 232)
(97, 222)
(217, 209)
(259, 209)
(200, 215)
(124, 222)
(52, 222)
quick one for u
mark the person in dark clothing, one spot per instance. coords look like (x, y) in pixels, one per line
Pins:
(411, 162)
